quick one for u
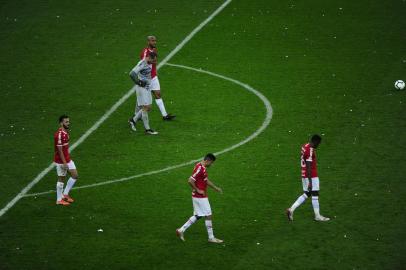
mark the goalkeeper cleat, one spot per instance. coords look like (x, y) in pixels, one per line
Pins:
(151, 132)
(131, 122)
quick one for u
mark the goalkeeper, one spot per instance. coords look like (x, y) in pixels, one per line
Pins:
(141, 75)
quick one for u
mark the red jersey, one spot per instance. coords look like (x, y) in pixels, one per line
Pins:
(144, 53)
(61, 138)
(308, 154)
(200, 177)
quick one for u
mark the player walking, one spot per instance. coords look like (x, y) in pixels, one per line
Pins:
(310, 179)
(155, 86)
(201, 206)
(141, 75)
(63, 162)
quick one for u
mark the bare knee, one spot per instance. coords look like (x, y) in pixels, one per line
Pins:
(157, 94)
(74, 174)
(146, 108)
(208, 217)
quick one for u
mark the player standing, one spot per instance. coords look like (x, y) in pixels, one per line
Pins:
(201, 206)
(141, 75)
(63, 162)
(155, 86)
(310, 180)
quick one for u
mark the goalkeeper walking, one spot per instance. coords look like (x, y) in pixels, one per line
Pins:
(141, 75)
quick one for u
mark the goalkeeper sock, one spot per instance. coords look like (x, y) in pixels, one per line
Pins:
(137, 116)
(145, 119)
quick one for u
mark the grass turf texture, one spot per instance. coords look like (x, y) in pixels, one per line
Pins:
(325, 67)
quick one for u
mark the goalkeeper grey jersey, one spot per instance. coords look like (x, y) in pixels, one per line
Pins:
(143, 71)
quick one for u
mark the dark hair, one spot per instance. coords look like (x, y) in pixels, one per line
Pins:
(152, 55)
(64, 116)
(316, 138)
(210, 156)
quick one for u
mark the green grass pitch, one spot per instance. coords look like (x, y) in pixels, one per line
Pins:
(327, 67)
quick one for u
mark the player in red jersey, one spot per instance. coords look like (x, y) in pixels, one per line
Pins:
(201, 206)
(154, 87)
(310, 179)
(63, 162)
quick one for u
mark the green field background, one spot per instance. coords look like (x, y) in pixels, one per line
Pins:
(327, 67)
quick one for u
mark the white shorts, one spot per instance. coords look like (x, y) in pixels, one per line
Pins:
(143, 96)
(201, 207)
(315, 184)
(155, 86)
(60, 171)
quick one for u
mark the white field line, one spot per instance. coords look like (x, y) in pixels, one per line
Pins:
(96, 125)
(265, 123)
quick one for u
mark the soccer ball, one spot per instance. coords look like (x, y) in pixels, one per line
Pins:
(399, 84)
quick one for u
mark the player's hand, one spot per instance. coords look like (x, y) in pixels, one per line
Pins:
(142, 83)
(310, 187)
(65, 166)
(219, 190)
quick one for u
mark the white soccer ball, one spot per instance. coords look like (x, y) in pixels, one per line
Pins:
(399, 84)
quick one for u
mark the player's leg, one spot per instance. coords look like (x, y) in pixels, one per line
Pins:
(301, 199)
(61, 172)
(206, 210)
(145, 119)
(180, 232)
(315, 200)
(210, 232)
(59, 189)
(137, 116)
(71, 182)
(146, 101)
(209, 227)
(156, 91)
(197, 214)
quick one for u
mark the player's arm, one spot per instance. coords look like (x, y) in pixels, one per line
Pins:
(193, 185)
(60, 153)
(309, 173)
(134, 76)
(213, 186)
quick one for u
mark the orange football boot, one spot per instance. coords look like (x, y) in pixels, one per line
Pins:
(62, 202)
(67, 198)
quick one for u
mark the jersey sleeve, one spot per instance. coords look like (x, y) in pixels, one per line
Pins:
(137, 68)
(143, 54)
(196, 171)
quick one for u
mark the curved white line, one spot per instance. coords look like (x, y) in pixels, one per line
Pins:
(264, 125)
(107, 114)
